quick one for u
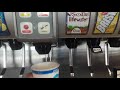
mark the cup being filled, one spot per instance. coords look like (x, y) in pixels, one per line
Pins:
(45, 70)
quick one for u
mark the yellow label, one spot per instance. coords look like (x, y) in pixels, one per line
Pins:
(25, 14)
(106, 22)
(4, 28)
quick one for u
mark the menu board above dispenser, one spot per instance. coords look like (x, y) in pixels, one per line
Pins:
(6, 25)
(35, 26)
(88, 24)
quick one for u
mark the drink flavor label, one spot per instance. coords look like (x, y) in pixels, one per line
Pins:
(106, 22)
(43, 14)
(25, 14)
(3, 26)
(77, 22)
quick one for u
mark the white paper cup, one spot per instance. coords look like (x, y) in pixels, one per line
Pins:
(45, 70)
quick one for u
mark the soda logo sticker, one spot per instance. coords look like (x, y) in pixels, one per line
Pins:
(77, 22)
(78, 14)
(3, 26)
(25, 14)
(44, 27)
(104, 13)
(43, 14)
(26, 27)
(76, 30)
(106, 22)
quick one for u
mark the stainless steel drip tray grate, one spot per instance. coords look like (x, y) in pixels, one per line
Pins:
(14, 72)
(80, 72)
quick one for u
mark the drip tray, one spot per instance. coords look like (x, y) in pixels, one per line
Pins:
(80, 72)
(15, 72)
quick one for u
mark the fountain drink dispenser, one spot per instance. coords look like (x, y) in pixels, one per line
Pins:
(95, 29)
(85, 44)
(38, 30)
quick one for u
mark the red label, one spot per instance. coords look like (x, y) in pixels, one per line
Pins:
(43, 15)
(104, 13)
(26, 26)
(26, 31)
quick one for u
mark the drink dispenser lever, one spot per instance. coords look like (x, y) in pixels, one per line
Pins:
(4, 60)
(89, 56)
(43, 48)
(107, 58)
(71, 44)
(23, 63)
(89, 62)
(15, 45)
(106, 54)
(71, 62)
(29, 50)
(92, 46)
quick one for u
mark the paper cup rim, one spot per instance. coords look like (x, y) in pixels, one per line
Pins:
(33, 66)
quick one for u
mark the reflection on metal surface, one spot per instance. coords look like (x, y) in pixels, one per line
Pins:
(72, 74)
(4, 56)
(91, 71)
(91, 74)
(88, 56)
(1, 76)
(110, 73)
(71, 62)
(3, 72)
(22, 72)
(71, 57)
(106, 54)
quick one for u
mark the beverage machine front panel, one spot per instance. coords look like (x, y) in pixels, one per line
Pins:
(88, 24)
(7, 25)
(35, 26)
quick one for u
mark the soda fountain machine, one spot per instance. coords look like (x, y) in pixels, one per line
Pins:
(85, 44)
(73, 25)
(107, 26)
(93, 46)
(37, 28)
(15, 46)
(94, 27)
(6, 33)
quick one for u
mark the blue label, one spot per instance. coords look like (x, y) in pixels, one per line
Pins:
(45, 72)
(3, 26)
